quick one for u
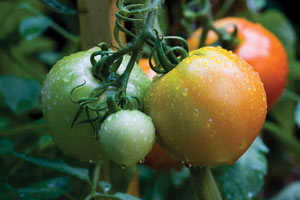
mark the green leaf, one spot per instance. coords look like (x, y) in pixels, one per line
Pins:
(49, 57)
(105, 186)
(45, 141)
(291, 192)
(3, 123)
(125, 196)
(56, 164)
(33, 27)
(48, 189)
(283, 113)
(294, 67)
(180, 177)
(297, 115)
(19, 94)
(256, 5)
(6, 146)
(282, 28)
(245, 178)
(60, 6)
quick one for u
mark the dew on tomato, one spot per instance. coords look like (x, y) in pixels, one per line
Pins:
(59, 111)
(205, 112)
(127, 136)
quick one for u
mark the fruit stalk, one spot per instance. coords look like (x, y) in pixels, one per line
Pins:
(205, 184)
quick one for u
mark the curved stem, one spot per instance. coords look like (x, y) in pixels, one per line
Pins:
(205, 184)
(288, 141)
(37, 125)
(96, 177)
(224, 9)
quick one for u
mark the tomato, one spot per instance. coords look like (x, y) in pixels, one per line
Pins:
(144, 64)
(158, 158)
(59, 111)
(260, 48)
(209, 109)
(127, 136)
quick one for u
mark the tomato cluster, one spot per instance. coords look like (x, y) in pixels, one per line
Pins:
(59, 109)
(205, 112)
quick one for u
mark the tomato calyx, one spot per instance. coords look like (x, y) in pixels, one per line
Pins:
(226, 40)
(106, 62)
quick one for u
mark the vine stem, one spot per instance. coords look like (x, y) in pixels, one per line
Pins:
(205, 184)
(96, 176)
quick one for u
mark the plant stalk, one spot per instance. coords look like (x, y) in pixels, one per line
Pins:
(205, 184)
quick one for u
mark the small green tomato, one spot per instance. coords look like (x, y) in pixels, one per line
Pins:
(127, 136)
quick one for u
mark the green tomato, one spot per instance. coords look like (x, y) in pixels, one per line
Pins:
(127, 136)
(59, 111)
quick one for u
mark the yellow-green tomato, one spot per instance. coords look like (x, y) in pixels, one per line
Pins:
(127, 136)
(209, 109)
(59, 111)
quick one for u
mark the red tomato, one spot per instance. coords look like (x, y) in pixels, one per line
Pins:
(260, 48)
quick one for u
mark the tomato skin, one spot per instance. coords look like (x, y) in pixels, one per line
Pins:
(260, 48)
(59, 111)
(209, 109)
(158, 158)
(127, 136)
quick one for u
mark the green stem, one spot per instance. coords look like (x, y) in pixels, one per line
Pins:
(37, 125)
(126, 74)
(64, 33)
(224, 9)
(291, 95)
(289, 142)
(96, 176)
(205, 184)
(102, 196)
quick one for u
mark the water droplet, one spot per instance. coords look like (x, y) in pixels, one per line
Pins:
(209, 122)
(68, 77)
(185, 92)
(141, 161)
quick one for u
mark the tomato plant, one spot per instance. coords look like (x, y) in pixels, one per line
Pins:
(257, 46)
(209, 109)
(59, 110)
(206, 107)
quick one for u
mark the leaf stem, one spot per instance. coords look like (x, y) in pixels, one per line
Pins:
(205, 184)
(290, 142)
(39, 124)
(96, 176)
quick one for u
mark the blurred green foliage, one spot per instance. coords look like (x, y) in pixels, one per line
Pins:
(35, 34)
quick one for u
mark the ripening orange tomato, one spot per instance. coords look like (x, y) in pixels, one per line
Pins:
(260, 48)
(209, 109)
